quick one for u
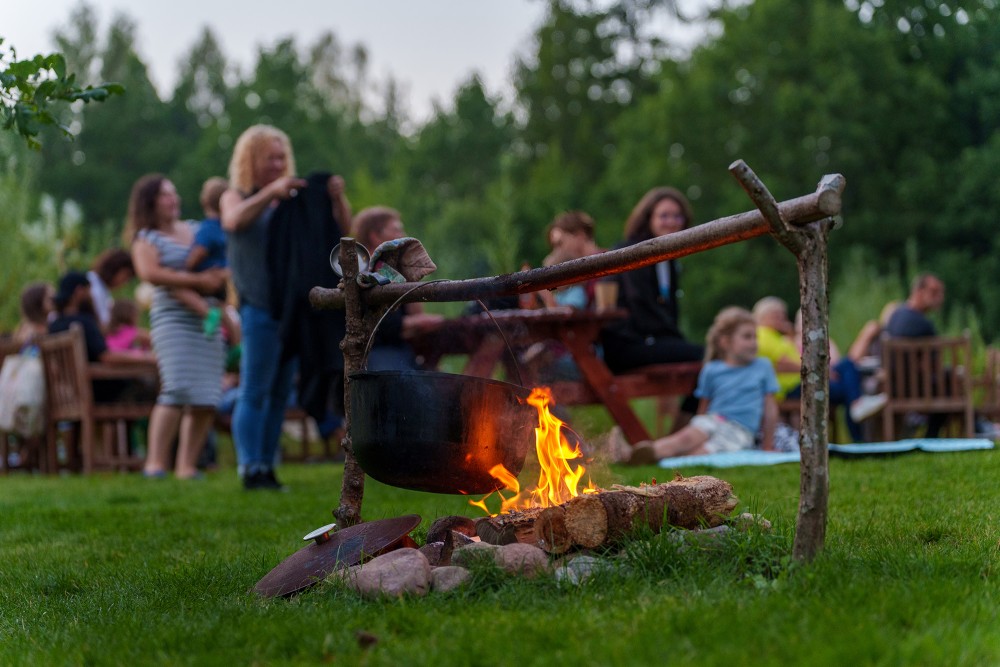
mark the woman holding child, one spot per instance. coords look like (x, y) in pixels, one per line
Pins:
(189, 362)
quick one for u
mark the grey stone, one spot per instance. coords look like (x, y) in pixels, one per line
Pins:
(432, 551)
(474, 553)
(524, 559)
(577, 570)
(746, 520)
(448, 577)
(461, 539)
(397, 573)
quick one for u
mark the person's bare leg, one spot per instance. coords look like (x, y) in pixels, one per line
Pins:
(194, 429)
(163, 423)
(688, 440)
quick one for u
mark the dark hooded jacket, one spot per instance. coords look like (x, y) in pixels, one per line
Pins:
(302, 233)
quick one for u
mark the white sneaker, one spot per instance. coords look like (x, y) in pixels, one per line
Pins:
(866, 406)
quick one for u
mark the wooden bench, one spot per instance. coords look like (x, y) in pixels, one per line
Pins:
(928, 376)
(668, 382)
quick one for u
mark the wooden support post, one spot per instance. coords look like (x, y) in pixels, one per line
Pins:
(809, 245)
(360, 324)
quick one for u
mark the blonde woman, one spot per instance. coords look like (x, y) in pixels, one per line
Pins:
(262, 176)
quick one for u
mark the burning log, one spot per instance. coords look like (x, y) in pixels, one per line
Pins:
(517, 526)
(551, 533)
(598, 519)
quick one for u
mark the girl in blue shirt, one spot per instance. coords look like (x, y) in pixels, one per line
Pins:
(736, 390)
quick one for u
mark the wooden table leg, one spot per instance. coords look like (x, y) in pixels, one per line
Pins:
(603, 384)
(482, 362)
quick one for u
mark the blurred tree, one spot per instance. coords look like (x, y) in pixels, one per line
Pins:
(199, 115)
(113, 148)
(591, 62)
(444, 184)
(823, 92)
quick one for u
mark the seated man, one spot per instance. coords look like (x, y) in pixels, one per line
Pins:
(73, 305)
(910, 320)
(773, 330)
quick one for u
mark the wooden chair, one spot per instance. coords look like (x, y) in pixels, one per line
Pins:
(98, 435)
(928, 376)
(987, 386)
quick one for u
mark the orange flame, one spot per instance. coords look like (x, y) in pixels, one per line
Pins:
(557, 480)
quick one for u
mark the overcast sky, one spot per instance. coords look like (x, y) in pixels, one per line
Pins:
(428, 46)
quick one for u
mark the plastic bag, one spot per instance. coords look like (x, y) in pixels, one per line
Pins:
(22, 395)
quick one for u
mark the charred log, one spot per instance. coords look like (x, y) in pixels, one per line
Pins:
(604, 518)
(517, 526)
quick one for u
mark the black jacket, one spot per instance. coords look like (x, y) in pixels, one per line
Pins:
(650, 313)
(302, 233)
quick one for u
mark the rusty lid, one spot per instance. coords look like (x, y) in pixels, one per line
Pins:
(331, 551)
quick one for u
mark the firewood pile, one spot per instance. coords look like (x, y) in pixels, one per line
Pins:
(564, 540)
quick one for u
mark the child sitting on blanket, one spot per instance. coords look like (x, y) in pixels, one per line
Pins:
(736, 388)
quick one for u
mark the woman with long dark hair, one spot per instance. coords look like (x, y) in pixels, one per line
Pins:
(651, 334)
(190, 364)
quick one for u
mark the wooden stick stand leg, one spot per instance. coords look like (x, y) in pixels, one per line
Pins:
(360, 324)
(809, 245)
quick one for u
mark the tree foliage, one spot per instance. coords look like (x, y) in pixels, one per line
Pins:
(30, 90)
(900, 96)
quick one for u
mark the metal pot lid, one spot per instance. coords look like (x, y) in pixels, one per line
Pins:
(332, 551)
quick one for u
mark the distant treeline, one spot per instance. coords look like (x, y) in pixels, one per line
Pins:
(900, 96)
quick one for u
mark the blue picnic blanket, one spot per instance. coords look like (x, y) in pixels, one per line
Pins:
(757, 457)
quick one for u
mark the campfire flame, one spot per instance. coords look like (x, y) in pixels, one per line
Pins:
(557, 479)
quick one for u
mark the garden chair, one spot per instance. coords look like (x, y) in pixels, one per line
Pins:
(988, 386)
(98, 434)
(928, 376)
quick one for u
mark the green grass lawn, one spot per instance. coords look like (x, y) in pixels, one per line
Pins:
(119, 570)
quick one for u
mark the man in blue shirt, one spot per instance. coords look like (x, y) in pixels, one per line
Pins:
(910, 319)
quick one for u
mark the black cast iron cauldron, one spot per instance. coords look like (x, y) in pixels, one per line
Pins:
(439, 432)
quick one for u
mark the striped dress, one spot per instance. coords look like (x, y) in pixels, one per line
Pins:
(190, 364)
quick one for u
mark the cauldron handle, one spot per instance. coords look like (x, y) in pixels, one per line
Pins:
(371, 338)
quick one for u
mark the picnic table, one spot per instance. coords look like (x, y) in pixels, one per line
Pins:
(578, 331)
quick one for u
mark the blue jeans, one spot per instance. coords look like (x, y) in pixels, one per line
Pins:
(265, 383)
(843, 391)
